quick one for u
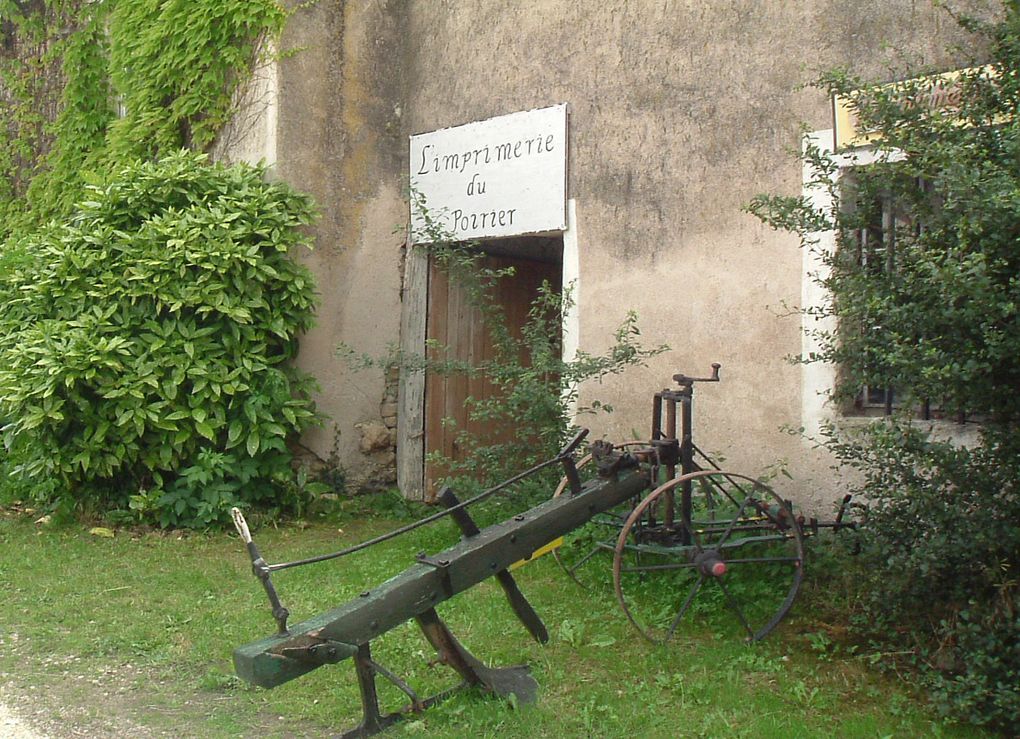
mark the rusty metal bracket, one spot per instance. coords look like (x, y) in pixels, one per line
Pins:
(439, 564)
(325, 652)
(610, 461)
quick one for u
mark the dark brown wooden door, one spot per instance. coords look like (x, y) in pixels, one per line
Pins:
(456, 325)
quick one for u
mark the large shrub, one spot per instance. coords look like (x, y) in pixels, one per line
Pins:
(936, 563)
(932, 310)
(145, 341)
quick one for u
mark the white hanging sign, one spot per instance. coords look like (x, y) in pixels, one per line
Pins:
(504, 176)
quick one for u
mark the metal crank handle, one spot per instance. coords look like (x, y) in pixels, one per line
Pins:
(685, 380)
(261, 570)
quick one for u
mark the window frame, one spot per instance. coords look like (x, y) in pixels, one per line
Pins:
(819, 378)
(818, 409)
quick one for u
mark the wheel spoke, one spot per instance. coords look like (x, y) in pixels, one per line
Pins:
(595, 550)
(715, 484)
(735, 608)
(683, 609)
(733, 522)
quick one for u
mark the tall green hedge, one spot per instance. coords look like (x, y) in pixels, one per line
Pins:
(146, 340)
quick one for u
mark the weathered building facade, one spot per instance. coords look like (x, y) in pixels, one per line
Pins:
(678, 114)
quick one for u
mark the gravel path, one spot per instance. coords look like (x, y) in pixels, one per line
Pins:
(11, 727)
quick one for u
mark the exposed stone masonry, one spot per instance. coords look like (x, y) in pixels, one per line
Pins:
(378, 441)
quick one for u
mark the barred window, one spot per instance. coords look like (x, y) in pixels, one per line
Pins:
(883, 220)
(880, 244)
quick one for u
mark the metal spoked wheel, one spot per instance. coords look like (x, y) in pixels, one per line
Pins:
(734, 548)
(582, 548)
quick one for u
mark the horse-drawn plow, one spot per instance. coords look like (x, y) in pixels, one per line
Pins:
(680, 531)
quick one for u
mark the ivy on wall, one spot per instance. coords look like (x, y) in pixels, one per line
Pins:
(87, 86)
(30, 89)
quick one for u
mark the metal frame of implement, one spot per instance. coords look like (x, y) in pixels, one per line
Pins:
(346, 632)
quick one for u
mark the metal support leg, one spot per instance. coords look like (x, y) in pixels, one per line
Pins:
(372, 721)
(520, 605)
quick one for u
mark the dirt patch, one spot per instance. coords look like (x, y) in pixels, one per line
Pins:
(65, 697)
(13, 727)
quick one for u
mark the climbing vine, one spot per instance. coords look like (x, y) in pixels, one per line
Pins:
(89, 86)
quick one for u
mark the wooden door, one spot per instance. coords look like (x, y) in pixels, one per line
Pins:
(457, 326)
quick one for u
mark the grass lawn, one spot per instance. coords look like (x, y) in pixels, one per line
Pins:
(139, 629)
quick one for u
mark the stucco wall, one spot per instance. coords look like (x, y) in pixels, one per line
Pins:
(339, 138)
(680, 112)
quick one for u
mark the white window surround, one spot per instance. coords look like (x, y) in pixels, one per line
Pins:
(818, 378)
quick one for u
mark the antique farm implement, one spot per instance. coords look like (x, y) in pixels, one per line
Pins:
(699, 527)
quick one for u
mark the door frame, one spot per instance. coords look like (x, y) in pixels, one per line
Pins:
(413, 316)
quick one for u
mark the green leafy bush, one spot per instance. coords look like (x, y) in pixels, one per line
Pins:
(146, 342)
(983, 688)
(930, 310)
(936, 571)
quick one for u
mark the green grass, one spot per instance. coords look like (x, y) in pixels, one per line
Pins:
(142, 626)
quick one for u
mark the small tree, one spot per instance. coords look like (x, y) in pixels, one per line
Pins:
(931, 307)
(534, 388)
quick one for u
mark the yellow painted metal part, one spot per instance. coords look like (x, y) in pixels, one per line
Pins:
(554, 544)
